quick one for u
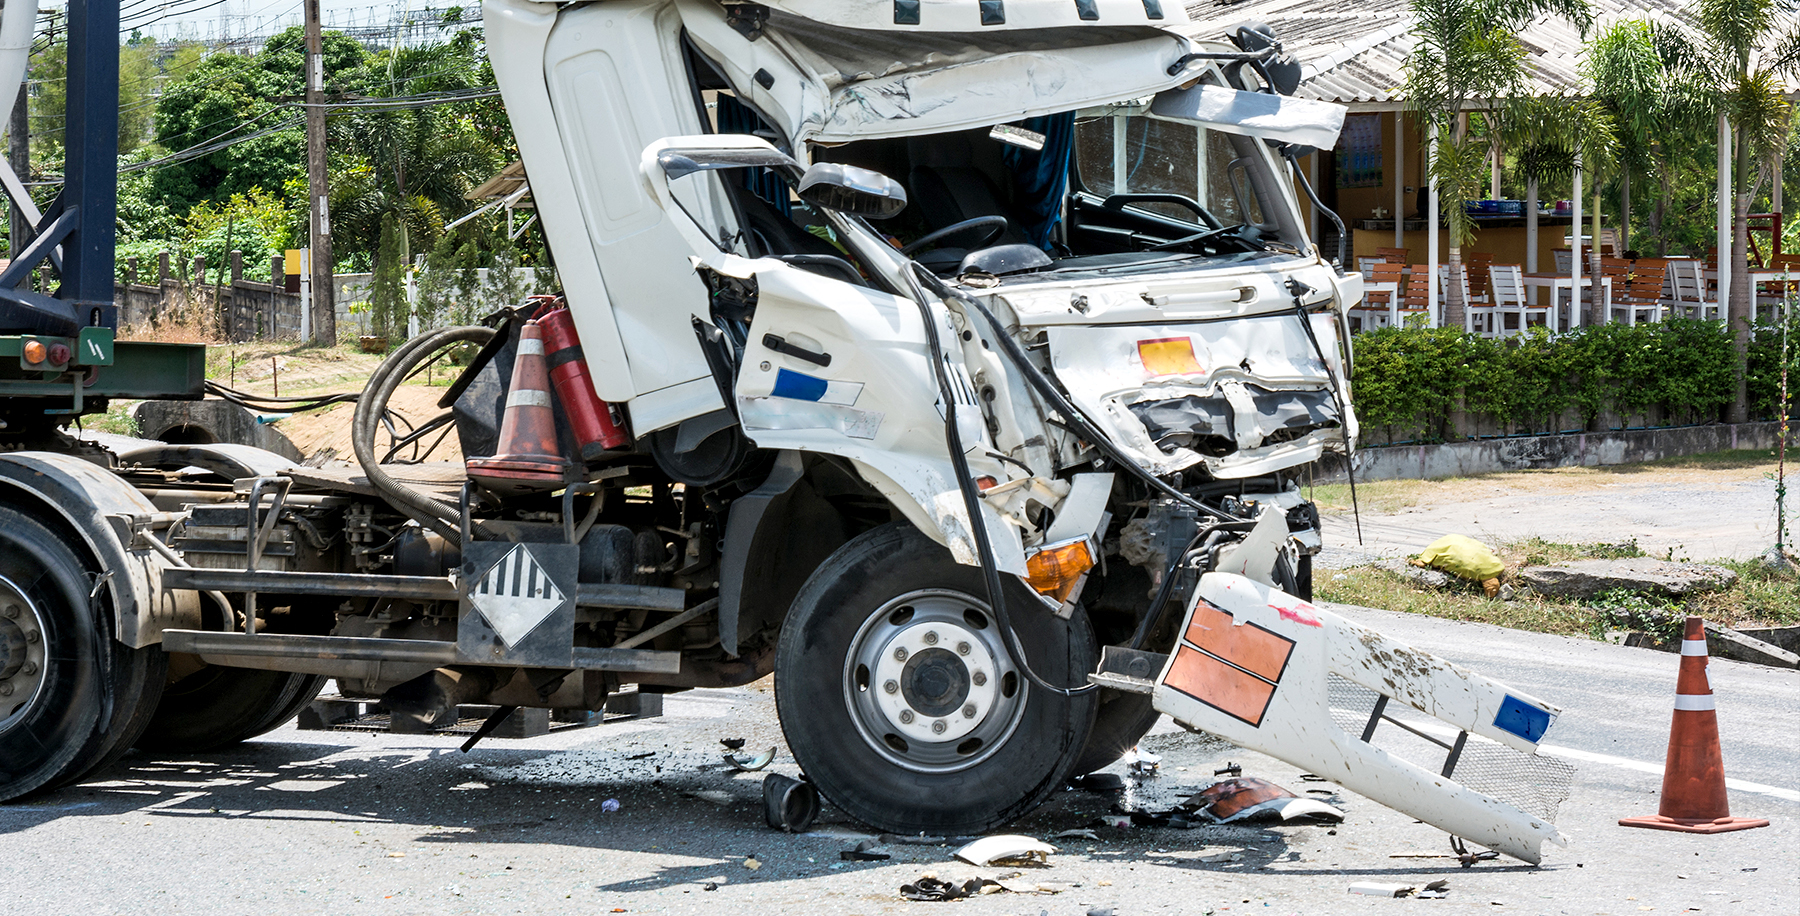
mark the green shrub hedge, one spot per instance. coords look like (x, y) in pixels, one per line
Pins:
(1409, 382)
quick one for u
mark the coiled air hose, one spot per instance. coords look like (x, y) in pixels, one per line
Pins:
(397, 368)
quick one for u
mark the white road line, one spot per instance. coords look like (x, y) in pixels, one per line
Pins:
(1656, 769)
(1623, 763)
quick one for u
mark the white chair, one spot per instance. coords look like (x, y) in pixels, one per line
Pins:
(1509, 299)
(1688, 291)
(1381, 297)
(1564, 260)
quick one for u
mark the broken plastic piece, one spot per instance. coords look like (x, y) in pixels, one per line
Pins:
(1142, 763)
(930, 887)
(751, 765)
(1078, 834)
(610, 805)
(1249, 798)
(1378, 889)
(1006, 848)
(732, 744)
(862, 853)
(1100, 783)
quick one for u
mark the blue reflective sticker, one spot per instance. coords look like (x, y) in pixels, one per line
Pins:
(1522, 719)
(798, 386)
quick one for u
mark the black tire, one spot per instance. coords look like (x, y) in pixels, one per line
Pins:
(218, 706)
(1009, 744)
(1296, 579)
(1122, 720)
(89, 692)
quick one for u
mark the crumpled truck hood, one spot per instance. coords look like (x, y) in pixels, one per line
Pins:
(1211, 368)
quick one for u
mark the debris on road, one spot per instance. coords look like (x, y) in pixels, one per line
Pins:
(1100, 783)
(751, 765)
(752, 863)
(863, 853)
(610, 805)
(732, 744)
(1078, 834)
(789, 804)
(1434, 890)
(1248, 798)
(1142, 763)
(1006, 849)
(930, 887)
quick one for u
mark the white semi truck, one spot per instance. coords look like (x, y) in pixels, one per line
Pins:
(953, 361)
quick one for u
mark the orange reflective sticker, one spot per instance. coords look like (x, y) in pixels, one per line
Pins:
(1261, 652)
(1169, 356)
(1238, 694)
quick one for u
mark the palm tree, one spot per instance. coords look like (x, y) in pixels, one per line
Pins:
(1733, 67)
(1466, 56)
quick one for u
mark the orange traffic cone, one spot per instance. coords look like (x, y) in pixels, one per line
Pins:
(528, 458)
(1693, 792)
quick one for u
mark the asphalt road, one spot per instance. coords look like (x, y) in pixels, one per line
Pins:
(345, 823)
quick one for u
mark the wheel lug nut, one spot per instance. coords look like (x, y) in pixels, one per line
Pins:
(963, 648)
(28, 668)
(5, 690)
(969, 711)
(979, 677)
(938, 727)
(931, 637)
(891, 687)
(906, 717)
(31, 636)
(900, 654)
(12, 610)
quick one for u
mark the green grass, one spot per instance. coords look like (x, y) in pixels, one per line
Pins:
(1761, 597)
(117, 419)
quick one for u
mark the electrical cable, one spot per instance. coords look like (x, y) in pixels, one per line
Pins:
(1082, 424)
(965, 482)
(1298, 289)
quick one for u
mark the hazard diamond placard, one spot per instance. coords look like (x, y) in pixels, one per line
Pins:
(518, 603)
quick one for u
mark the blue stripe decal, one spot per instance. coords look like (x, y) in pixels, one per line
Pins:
(1522, 719)
(798, 386)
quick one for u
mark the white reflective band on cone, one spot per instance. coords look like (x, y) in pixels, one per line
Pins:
(531, 347)
(1693, 647)
(1690, 702)
(528, 398)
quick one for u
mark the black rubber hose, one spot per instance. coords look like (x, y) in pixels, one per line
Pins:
(965, 482)
(427, 511)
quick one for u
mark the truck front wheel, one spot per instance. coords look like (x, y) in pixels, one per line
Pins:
(900, 701)
(71, 696)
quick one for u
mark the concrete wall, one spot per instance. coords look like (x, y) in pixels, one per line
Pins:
(1488, 456)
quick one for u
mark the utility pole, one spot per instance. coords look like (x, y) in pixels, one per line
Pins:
(18, 154)
(324, 309)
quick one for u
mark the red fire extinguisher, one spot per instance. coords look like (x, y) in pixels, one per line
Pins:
(595, 426)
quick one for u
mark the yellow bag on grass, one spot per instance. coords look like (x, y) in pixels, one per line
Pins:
(1465, 557)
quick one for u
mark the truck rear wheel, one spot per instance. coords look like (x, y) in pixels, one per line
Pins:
(71, 696)
(899, 700)
(213, 706)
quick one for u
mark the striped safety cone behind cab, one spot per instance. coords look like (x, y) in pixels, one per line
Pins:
(1693, 791)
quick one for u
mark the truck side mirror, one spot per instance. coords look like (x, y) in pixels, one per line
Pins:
(851, 190)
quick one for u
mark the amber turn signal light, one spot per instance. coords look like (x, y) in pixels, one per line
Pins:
(1055, 570)
(35, 351)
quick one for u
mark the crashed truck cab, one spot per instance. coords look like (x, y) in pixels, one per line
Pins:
(956, 362)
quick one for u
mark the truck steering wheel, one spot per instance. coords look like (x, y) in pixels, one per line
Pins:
(995, 226)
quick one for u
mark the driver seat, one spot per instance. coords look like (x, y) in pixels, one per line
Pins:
(947, 187)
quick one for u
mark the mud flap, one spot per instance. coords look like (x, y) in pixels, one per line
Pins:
(1269, 672)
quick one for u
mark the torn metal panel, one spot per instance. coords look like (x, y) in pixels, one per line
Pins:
(1239, 392)
(1248, 798)
(915, 16)
(1303, 122)
(1253, 666)
(890, 84)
